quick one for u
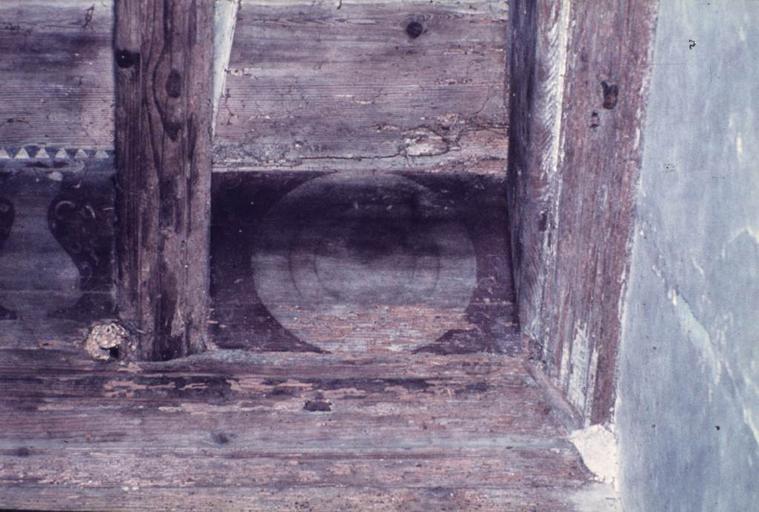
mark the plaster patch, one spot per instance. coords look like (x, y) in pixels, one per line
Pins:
(424, 142)
(598, 448)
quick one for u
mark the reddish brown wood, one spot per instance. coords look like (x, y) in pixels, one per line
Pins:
(387, 85)
(579, 88)
(281, 432)
(163, 52)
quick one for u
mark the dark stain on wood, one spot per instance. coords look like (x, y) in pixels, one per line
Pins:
(414, 29)
(7, 216)
(70, 201)
(163, 136)
(610, 94)
(595, 122)
(220, 438)
(240, 203)
(317, 405)
(243, 200)
(126, 59)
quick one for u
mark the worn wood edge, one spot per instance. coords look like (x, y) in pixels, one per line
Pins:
(351, 165)
(225, 21)
(564, 412)
(536, 147)
(73, 359)
(498, 9)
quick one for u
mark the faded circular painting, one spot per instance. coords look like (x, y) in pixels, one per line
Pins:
(357, 263)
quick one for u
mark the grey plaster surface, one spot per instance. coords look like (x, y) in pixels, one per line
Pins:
(687, 411)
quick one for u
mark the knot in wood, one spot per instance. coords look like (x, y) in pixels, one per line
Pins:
(126, 59)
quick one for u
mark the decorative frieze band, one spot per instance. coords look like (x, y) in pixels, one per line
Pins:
(50, 152)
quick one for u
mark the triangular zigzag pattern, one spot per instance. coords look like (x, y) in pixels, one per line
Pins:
(52, 152)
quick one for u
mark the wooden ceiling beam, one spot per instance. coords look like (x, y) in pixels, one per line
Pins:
(163, 54)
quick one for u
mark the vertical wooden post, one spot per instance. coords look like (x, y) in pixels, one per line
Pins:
(579, 92)
(164, 52)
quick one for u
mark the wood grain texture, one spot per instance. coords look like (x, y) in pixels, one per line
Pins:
(389, 85)
(538, 65)
(163, 53)
(235, 431)
(579, 101)
(57, 73)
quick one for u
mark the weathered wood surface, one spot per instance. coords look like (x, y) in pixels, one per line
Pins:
(579, 82)
(163, 53)
(538, 60)
(57, 257)
(61, 241)
(351, 84)
(233, 431)
(57, 73)
(364, 263)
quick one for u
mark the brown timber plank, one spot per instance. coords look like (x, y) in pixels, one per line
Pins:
(579, 81)
(356, 85)
(300, 499)
(235, 431)
(57, 73)
(163, 52)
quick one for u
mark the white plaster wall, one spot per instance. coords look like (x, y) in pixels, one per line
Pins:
(688, 408)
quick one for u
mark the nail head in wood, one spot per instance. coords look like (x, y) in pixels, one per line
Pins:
(414, 29)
